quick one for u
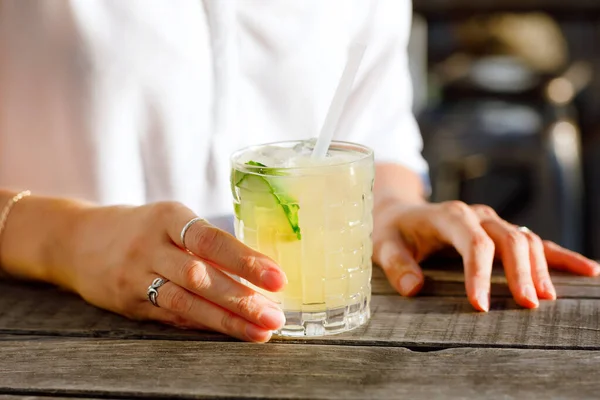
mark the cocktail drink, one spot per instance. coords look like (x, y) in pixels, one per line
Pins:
(313, 216)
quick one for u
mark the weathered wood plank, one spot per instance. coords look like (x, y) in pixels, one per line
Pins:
(448, 322)
(396, 321)
(215, 370)
(448, 280)
(44, 397)
(41, 309)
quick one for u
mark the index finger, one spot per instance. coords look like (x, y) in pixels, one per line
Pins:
(458, 225)
(224, 251)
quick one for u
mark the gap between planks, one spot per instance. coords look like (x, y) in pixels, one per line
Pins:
(396, 321)
(161, 368)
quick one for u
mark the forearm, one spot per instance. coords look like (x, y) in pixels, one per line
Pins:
(38, 237)
(36, 241)
(395, 183)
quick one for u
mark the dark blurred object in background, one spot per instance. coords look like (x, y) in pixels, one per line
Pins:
(510, 98)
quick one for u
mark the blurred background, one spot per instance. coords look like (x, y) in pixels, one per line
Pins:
(507, 93)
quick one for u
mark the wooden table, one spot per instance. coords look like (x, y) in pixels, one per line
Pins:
(435, 346)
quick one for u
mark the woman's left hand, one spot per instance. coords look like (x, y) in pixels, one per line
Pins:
(404, 235)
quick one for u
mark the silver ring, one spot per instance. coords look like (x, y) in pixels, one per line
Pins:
(185, 229)
(524, 229)
(153, 290)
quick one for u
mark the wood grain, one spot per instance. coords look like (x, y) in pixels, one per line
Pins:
(40, 309)
(449, 281)
(224, 370)
(396, 321)
(42, 397)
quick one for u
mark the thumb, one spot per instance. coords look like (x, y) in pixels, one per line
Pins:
(400, 268)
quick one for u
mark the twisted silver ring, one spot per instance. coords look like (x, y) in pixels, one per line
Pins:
(185, 229)
(153, 290)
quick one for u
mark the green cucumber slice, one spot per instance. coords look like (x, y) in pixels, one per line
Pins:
(258, 190)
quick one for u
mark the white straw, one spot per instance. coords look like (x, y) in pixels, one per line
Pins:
(355, 55)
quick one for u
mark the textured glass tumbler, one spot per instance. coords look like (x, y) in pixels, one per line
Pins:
(315, 220)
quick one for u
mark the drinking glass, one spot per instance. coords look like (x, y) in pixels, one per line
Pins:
(314, 218)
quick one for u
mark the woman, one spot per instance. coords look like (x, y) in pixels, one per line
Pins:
(140, 103)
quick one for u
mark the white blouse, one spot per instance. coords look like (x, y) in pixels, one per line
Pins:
(136, 101)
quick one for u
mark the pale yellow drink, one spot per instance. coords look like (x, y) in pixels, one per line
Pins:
(314, 218)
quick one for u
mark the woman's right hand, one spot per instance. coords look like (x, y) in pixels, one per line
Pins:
(119, 251)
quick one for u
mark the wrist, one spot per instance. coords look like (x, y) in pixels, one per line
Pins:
(390, 204)
(60, 249)
(37, 240)
(386, 197)
(396, 184)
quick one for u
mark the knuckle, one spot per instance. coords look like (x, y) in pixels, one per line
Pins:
(196, 275)
(165, 210)
(395, 261)
(179, 301)
(247, 264)
(457, 208)
(391, 261)
(516, 239)
(481, 243)
(479, 274)
(209, 239)
(535, 240)
(245, 305)
(228, 322)
(485, 210)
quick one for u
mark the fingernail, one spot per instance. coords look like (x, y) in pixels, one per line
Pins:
(596, 270)
(530, 295)
(408, 283)
(257, 334)
(483, 299)
(272, 318)
(549, 289)
(272, 278)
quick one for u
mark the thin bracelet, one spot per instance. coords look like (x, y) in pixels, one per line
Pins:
(6, 210)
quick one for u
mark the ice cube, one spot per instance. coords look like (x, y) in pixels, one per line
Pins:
(305, 147)
(298, 156)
